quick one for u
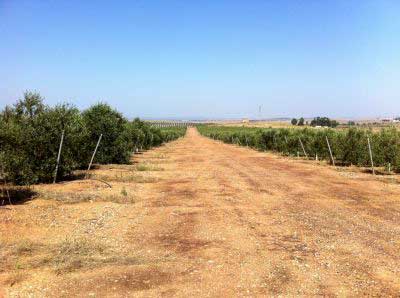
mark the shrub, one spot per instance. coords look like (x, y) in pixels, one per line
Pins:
(102, 119)
(30, 137)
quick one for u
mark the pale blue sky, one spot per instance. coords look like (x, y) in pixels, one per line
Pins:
(205, 58)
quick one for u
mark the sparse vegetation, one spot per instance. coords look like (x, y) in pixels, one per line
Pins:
(128, 176)
(68, 197)
(124, 192)
(73, 253)
(147, 167)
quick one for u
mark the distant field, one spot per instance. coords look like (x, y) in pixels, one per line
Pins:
(274, 124)
(373, 124)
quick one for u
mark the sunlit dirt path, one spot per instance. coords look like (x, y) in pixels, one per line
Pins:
(217, 220)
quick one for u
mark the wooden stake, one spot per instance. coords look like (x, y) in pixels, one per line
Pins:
(302, 146)
(286, 140)
(370, 155)
(330, 151)
(94, 153)
(8, 195)
(58, 157)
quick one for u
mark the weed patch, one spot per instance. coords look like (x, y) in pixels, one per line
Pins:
(147, 167)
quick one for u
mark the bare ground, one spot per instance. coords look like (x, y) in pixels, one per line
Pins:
(200, 218)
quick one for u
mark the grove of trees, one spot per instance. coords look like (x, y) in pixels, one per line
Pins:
(299, 122)
(349, 147)
(318, 121)
(324, 121)
(30, 133)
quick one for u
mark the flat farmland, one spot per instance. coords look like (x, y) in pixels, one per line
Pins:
(196, 217)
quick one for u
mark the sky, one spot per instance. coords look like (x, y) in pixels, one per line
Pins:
(206, 59)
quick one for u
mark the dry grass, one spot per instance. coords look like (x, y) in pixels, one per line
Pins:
(75, 253)
(19, 247)
(15, 277)
(71, 254)
(14, 254)
(24, 247)
(159, 156)
(147, 167)
(123, 177)
(121, 197)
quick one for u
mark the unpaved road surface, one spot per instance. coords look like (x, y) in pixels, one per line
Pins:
(207, 219)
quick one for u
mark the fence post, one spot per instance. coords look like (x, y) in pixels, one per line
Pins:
(94, 153)
(58, 157)
(5, 189)
(302, 146)
(370, 155)
(330, 151)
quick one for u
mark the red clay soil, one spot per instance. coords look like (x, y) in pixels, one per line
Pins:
(209, 219)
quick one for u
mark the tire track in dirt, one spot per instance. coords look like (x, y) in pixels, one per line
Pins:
(306, 209)
(247, 192)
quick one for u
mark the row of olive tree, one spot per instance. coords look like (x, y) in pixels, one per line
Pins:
(30, 133)
(349, 147)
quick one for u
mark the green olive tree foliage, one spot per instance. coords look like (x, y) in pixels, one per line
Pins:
(30, 134)
(350, 147)
(102, 119)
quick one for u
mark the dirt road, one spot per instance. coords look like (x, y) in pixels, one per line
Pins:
(208, 219)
